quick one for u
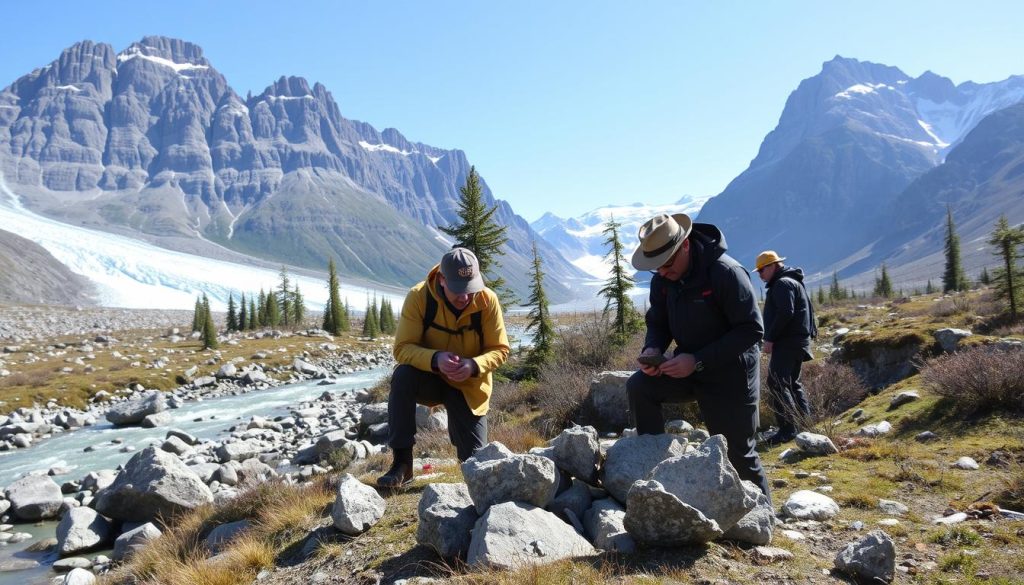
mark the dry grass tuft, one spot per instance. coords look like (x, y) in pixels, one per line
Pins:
(978, 379)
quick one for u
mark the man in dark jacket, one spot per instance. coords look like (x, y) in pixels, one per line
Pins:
(788, 329)
(702, 300)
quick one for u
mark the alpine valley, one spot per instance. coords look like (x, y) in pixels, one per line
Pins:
(152, 142)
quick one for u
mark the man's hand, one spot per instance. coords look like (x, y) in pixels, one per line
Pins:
(453, 367)
(680, 366)
(649, 369)
(768, 347)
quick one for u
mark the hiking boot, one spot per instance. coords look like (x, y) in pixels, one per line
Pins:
(400, 473)
(780, 437)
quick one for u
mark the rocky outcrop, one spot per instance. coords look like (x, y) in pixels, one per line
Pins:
(153, 484)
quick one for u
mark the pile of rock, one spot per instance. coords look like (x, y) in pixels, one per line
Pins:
(567, 500)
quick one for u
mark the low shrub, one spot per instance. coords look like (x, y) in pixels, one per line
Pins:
(830, 387)
(562, 390)
(978, 379)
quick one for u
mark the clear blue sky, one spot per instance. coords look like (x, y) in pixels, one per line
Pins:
(563, 106)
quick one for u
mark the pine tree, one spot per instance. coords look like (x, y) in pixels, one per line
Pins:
(198, 315)
(333, 311)
(540, 320)
(232, 324)
(984, 277)
(821, 296)
(284, 300)
(616, 289)
(954, 278)
(930, 288)
(883, 286)
(298, 307)
(346, 317)
(243, 315)
(376, 311)
(835, 292)
(262, 309)
(209, 329)
(371, 328)
(273, 310)
(480, 232)
(1006, 240)
(387, 317)
(253, 320)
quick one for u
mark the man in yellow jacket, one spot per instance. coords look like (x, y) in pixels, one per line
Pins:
(449, 340)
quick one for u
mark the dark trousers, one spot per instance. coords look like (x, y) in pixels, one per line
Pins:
(727, 404)
(409, 387)
(786, 393)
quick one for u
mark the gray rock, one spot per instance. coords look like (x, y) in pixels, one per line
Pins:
(134, 410)
(494, 474)
(34, 497)
(771, 554)
(187, 438)
(372, 414)
(604, 524)
(253, 471)
(79, 576)
(446, 519)
(576, 499)
(251, 377)
(307, 368)
(228, 370)
(134, 540)
(871, 558)
(966, 463)
(513, 535)
(692, 498)
(608, 401)
(759, 524)
(239, 450)
(223, 534)
(204, 381)
(160, 419)
(357, 506)
(577, 452)
(226, 474)
(815, 444)
(330, 442)
(81, 529)
(808, 505)
(903, 398)
(96, 481)
(633, 458)
(65, 565)
(175, 445)
(875, 430)
(154, 483)
(925, 436)
(949, 338)
(431, 419)
(892, 508)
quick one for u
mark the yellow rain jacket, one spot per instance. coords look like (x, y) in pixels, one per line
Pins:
(416, 348)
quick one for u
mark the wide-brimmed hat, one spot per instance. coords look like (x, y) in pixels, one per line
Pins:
(765, 258)
(461, 271)
(660, 237)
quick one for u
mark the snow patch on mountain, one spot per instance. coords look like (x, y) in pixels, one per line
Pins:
(136, 53)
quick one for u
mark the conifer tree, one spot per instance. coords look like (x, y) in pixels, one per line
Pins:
(480, 232)
(253, 319)
(1006, 240)
(371, 328)
(284, 300)
(346, 317)
(298, 307)
(262, 309)
(333, 311)
(232, 324)
(954, 278)
(984, 277)
(821, 296)
(387, 317)
(617, 287)
(273, 310)
(540, 320)
(198, 315)
(835, 292)
(930, 288)
(209, 329)
(243, 315)
(376, 311)
(883, 286)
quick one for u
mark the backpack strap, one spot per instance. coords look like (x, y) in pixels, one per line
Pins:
(430, 313)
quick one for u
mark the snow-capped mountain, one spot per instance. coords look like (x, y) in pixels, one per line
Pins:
(581, 239)
(153, 141)
(825, 185)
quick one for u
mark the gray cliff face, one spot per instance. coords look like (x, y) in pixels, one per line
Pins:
(32, 275)
(153, 139)
(827, 180)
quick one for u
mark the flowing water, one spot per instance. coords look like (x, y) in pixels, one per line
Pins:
(207, 419)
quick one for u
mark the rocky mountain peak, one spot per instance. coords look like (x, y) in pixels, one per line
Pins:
(174, 50)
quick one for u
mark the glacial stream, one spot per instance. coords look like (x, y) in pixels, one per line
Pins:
(207, 419)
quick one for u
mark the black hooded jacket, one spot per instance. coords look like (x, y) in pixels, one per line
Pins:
(710, 312)
(788, 312)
